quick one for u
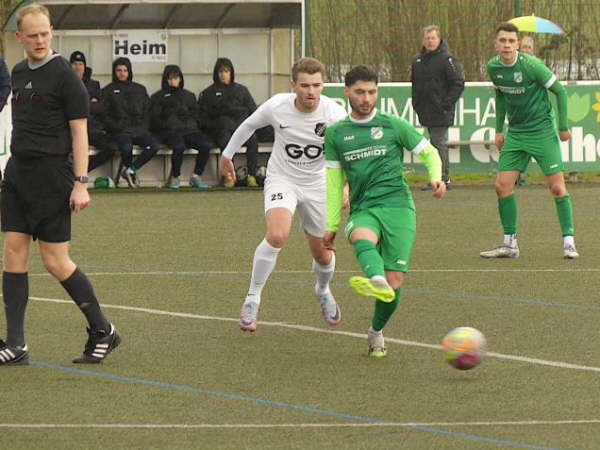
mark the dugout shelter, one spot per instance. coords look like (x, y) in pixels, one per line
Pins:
(259, 37)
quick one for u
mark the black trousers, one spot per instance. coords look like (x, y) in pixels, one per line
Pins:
(179, 143)
(125, 146)
(106, 146)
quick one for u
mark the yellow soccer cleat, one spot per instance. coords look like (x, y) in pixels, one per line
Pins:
(251, 181)
(376, 287)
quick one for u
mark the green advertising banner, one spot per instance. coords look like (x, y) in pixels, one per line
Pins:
(474, 124)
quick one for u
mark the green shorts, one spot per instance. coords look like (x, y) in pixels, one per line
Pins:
(396, 229)
(544, 146)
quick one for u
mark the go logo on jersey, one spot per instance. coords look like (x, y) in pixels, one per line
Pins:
(296, 151)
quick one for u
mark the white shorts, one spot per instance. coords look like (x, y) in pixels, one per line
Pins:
(310, 202)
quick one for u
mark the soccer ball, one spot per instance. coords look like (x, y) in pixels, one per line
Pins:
(464, 348)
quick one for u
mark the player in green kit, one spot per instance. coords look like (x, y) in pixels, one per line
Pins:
(366, 150)
(522, 83)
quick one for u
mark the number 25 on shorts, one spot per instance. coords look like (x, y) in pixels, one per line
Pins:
(278, 196)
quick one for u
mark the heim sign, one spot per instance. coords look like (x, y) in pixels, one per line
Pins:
(141, 45)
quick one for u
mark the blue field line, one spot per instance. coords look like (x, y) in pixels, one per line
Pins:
(264, 401)
(484, 439)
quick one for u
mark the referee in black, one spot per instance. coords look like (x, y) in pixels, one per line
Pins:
(42, 186)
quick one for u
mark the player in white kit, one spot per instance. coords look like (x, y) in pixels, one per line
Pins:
(295, 181)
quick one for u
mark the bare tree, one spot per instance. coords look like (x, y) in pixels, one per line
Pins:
(385, 34)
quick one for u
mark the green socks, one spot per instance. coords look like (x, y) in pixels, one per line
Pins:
(507, 206)
(371, 263)
(368, 258)
(564, 209)
(383, 311)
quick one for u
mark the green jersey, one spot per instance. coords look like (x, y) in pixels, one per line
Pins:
(370, 153)
(524, 87)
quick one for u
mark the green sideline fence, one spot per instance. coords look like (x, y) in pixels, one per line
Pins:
(475, 121)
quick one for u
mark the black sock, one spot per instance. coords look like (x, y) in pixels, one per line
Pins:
(82, 292)
(15, 290)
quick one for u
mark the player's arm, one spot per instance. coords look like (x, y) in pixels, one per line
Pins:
(561, 101)
(412, 140)
(340, 113)
(500, 116)
(256, 120)
(544, 76)
(335, 180)
(335, 195)
(80, 197)
(500, 110)
(430, 158)
(76, 105)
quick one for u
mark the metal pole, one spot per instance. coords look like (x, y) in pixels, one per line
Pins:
(517, 8)
(305, 28)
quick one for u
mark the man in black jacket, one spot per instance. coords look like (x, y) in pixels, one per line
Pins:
(437, 83)
(97, 135)
(127, 118)
(175, 122)
(224, 105)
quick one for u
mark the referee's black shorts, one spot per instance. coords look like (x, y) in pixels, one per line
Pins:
(35, 197)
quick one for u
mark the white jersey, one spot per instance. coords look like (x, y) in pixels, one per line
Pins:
(298, 148)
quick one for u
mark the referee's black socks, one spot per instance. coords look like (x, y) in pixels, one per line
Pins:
(81, 291)
(15, 291)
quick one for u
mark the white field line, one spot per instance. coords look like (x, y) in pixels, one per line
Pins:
(237, 272)
(542, 362)
(297, 425)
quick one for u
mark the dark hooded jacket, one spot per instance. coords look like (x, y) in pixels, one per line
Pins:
(173, 109)
(126, 104)
(224, 106)
(95, 122)
(437, 83)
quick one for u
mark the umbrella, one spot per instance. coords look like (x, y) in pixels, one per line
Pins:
(533, 24)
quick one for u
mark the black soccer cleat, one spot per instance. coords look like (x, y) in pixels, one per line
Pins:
(13, 356)
(135, 180)
(131, 178)
(99, 345)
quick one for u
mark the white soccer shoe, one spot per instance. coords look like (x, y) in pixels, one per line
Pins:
(376, 344)
(501, 251)
(570, 252)
(248, 315)
(329, 308)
